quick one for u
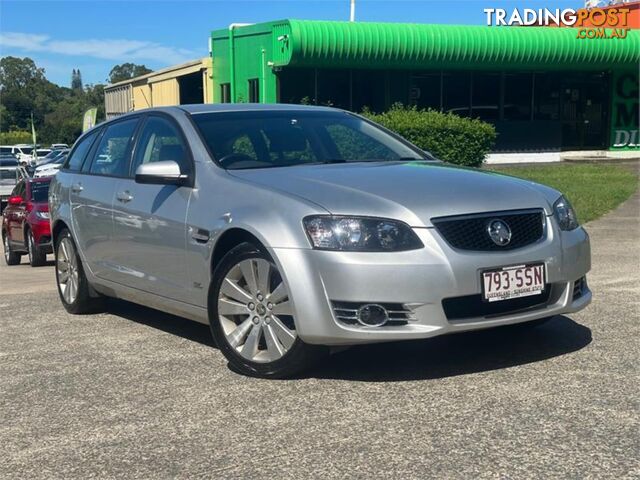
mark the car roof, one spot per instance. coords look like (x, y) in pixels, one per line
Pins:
(38, 180)
(225, 107)
(250, 107)
(216, 108)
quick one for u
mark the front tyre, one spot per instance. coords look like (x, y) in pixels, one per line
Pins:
(252, 319)
(73, 286)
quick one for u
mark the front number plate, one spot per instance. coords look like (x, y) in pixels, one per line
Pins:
(513, 282)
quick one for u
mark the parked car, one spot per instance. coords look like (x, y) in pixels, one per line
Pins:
(11, 172)
(51, 168)
(293, 229)
(23, 152)
(53, 156)
(8, 161)
(25, 223)
(42, 153)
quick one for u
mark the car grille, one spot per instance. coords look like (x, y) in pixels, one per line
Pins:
(472, 306)
(469, 232)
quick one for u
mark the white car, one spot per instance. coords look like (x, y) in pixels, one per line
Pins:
(23, 152)
(49, 169)
(42, 152)
(9, 176)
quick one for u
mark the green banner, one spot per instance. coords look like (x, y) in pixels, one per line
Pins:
(89, 119)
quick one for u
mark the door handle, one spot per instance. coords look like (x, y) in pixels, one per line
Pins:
(77, 188)
(124, 197)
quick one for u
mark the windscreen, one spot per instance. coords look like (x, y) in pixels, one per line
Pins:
(40, 191)
(257, 139)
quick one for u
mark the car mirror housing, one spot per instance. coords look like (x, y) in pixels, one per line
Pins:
(161, 173)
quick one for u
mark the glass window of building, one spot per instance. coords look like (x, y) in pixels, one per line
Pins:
(486, 96)
(518, 88)
(456, 93)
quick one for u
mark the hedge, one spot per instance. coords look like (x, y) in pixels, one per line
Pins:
(454, 139)
(13, 137)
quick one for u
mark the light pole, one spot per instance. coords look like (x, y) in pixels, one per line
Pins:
(352, 16)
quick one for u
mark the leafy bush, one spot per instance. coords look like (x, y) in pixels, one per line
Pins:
(454, 139)
(13, 137)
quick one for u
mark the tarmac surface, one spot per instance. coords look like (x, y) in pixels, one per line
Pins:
(137, 393)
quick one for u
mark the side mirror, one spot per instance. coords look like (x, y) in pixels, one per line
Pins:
(17, 200)
(161, 173)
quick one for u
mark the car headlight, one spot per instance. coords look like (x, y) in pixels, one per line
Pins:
(565, 214)
(360, 234)
(42, 215)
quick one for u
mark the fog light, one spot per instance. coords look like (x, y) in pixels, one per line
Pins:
(372, 315)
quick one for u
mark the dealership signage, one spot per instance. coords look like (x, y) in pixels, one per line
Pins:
(593, 22)
(625, 131)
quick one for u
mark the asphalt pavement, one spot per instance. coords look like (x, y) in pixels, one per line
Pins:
(136, 393)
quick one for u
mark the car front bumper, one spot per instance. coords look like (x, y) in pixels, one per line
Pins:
(420, 280)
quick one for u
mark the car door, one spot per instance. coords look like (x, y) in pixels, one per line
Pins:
(92, 193)
(150, 220)
(16, 215)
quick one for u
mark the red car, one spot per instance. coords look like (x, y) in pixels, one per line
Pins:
(25, 222)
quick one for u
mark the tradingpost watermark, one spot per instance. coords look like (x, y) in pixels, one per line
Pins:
(601, 23)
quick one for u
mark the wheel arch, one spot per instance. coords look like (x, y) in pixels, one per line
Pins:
(56, 228)
(230, 239)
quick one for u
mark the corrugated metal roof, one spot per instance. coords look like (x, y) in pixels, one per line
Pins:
(396, 45)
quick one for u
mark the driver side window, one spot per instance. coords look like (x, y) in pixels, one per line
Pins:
(160, 141)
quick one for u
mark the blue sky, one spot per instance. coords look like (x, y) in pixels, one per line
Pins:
(95, 35)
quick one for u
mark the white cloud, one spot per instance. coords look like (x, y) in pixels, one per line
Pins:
(109, 49)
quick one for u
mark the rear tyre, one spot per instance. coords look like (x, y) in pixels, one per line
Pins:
(252, 319)
(71, 280)
(37, 257)
(11, 258)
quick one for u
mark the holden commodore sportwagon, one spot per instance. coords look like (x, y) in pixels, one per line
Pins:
(291, 230)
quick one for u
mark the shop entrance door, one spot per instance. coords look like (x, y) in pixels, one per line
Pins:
(584, 103)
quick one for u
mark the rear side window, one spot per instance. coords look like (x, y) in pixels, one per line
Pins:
(111, 156)
(80, 152)
(39, 191)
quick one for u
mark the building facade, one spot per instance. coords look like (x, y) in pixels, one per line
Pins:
(543, 88)
(182, 84)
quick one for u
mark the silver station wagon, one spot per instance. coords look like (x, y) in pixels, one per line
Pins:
(291, 230)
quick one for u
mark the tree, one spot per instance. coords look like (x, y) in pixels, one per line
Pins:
(16, 73)
(76, 80)
(24, 89)
(57, 111)
(126, 71)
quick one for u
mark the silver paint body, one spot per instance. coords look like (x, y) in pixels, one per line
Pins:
(147, 249)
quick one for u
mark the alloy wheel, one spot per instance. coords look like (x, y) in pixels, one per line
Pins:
(67, 270)
(7, 252)
(255, 313)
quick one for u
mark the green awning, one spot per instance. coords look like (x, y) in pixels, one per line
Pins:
(326, 44)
